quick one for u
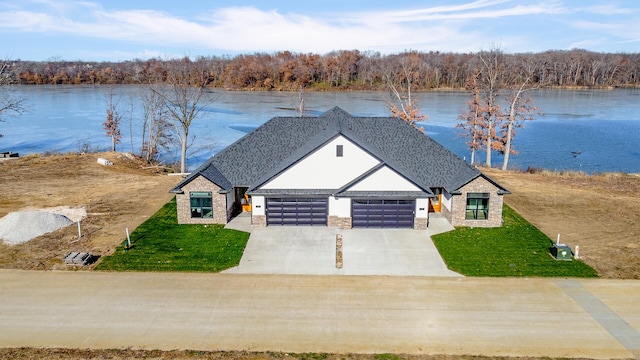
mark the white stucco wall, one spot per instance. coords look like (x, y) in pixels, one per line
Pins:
(446, 199)
(231, 199)
(324, 170)
(422, 208)
(340, 207)
(384, 179)
(257, 205)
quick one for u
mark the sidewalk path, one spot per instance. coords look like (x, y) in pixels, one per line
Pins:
(364, 314)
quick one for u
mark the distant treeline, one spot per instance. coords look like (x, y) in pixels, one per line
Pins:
(343, 70)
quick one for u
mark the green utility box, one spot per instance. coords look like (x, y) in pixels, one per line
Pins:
(561, 252)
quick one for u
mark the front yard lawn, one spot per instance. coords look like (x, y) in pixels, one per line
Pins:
(160, 244)
(515, 249)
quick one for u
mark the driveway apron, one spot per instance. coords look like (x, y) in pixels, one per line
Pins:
(308, 250)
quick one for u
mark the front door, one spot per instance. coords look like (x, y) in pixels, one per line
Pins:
(436, 202)
(242, 200)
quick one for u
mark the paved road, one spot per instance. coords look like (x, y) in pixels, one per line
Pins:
(369, 314)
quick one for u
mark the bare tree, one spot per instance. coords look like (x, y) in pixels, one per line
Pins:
(491, 70)
(112, 124)
(520, 110)
(156, 128)
(474, 121)
(402, 104)
(184, 97)
(301, 101)
(9, 104)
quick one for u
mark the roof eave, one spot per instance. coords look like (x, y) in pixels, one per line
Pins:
(501, 190)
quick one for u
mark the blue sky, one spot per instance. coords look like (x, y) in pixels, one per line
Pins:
(112, 30)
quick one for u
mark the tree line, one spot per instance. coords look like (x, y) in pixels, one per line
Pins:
(343, 70)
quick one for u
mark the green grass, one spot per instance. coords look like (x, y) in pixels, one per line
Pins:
(515, 249)
(160, 244)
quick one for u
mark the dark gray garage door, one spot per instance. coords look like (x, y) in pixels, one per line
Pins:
(296, 211)
(382, 213)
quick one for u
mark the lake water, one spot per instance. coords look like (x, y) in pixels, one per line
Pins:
(603, 126)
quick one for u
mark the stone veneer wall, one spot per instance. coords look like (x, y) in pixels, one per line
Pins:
(420, 223)
(220, 210)
(459, 205)
(445, 211)
(339, 222)
(259, 220)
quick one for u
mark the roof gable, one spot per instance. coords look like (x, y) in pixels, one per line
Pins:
(381, 178)
(210, 173)
(322, 168)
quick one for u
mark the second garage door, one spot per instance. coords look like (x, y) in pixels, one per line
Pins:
(297, 211)
(382, 213)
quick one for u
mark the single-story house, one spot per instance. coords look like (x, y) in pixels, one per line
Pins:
(341, 171)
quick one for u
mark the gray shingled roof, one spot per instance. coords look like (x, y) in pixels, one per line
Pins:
(294, 192)
(282, 141)
(385, 194)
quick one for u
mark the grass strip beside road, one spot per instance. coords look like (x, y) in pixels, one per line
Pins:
(516, 249)
(138, 354)
(161, 244)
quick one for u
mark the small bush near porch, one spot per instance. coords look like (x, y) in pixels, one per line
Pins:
(160, 244)
(515, 249)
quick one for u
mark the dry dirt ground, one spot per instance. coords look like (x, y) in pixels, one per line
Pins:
(115, 198)
(600, 213)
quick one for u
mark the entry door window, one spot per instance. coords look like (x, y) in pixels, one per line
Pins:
(201, 204)
(438, 194)
(477, 206)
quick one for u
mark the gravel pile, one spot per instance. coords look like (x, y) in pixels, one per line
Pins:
(74, 214)
(21, 226)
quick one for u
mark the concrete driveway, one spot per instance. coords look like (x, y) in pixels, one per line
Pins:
(308, 250)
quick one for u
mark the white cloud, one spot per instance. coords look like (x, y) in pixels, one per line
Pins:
(115, 55)
(596, 26)
(238, 29)
(588, 43)
(26, 21)
(457, 28)
(608, 9)
(620, 32)
(482, 9)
